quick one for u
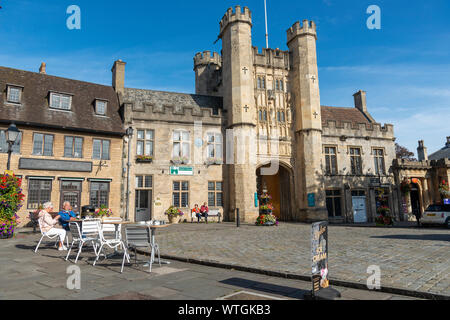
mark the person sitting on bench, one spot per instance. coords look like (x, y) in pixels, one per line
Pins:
(204, 210)
(196, 213)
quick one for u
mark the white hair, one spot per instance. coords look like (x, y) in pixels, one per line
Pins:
(66, 202)
(48, 205)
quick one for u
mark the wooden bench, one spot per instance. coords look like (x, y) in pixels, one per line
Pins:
(215, 213)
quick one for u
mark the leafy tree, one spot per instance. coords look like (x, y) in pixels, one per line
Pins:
(403, 153)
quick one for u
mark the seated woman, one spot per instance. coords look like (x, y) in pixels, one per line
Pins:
(196, 213)
(48, 223)
(66, 215)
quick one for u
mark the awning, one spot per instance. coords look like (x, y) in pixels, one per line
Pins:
(99, 180)
(71, 179)
(39, 178)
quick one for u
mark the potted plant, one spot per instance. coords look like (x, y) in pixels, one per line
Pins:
(11, 198)
(384, 217)
(102, 212)
(266, 217)
(444, 189)
(144, 159)
(174, 214)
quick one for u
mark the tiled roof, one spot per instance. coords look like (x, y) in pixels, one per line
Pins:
(444, 153)
(340, 115)
(173, 99)
(34, 108)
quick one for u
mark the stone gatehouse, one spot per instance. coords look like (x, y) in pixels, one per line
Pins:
(254, 111)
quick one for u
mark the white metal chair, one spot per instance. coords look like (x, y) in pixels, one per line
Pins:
(51, 237)
(89, 233)
(139, 236)
(111, 230)
(113, 243)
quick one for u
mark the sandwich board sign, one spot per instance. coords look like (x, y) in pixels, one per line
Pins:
(319, 254)
(319, 263)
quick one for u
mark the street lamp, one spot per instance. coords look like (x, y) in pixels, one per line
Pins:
(129, 133)
(11, 136)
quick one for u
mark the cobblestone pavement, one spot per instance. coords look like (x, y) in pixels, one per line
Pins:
(409, 258)
(36, 276)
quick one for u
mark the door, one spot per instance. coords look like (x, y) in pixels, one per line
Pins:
(359, 209)
(71, 191)
(143, 205)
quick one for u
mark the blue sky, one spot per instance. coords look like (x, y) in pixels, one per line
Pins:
(404, 67)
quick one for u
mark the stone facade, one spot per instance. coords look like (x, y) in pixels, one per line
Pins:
(102, 171)
(423, 178)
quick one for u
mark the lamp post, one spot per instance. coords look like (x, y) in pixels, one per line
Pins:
(11, 136)
(129, 134)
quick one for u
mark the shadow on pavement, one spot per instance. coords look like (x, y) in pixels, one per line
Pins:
(427, 237)
(266, 287)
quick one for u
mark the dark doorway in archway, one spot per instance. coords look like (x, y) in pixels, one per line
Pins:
(415, 199)
(279, 186)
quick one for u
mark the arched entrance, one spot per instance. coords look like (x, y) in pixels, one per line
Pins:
(415, 199)
(279, 186)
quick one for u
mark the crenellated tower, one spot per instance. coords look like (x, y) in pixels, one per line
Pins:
(208, 73)
(304, 80)
(239, 102)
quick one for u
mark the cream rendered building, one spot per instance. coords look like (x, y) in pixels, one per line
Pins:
(260, 113)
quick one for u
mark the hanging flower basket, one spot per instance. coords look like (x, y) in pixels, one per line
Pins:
(11, 198)
(405, 187)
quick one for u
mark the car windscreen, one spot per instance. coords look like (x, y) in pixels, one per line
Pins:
(434, 208)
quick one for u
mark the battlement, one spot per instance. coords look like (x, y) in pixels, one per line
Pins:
(271, 58)
(235, 16)
(306, 28)
(360, 130)
(205, 58)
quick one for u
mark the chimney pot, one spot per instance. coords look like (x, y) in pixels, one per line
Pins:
(42, 68)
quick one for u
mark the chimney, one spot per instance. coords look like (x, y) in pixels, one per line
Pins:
(118, 76)
(447, 145)
(42, 68)
(422, 151)
(361, 101)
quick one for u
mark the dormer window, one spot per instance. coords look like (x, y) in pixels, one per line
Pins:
(60, 101)
(100, 107)
(14, 94)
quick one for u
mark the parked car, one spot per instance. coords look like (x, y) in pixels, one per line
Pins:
(437, 214)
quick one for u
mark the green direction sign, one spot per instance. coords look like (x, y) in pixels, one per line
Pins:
(181, 171)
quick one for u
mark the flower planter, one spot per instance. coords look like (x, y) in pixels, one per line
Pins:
(174, 220)
(6, 236)
(144, 161)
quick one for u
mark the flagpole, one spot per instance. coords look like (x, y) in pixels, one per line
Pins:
(267, 33)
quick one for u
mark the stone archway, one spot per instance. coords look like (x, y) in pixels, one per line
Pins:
(280, 187)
